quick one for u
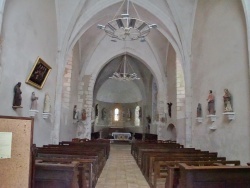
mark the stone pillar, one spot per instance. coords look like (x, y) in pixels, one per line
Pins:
(85, 101)
(180, 86)
(161, 122)
(67, 82)
(54, 136)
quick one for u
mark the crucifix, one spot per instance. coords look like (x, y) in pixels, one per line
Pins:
(169, 108)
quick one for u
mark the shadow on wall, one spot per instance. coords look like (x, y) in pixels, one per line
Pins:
(171, 132)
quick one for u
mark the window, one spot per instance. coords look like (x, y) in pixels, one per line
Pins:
(116, 114)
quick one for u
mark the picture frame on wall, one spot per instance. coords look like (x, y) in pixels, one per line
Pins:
(38, 74)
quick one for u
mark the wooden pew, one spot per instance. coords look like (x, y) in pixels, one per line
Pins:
(150, 144)
(86, 174)
(150, 173)
(172, 170)
(100, 143)
(56, 175)
(101, 159)
(138, 136)
(148, 168)
(139, 147)
(214, 176)
(85, 152)
(76, 148)
(148, 136)
(146, 155)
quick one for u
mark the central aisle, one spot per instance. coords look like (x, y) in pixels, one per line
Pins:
(121, 170)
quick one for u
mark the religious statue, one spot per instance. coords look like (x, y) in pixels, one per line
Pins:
(210, 100)
(104, 113)
(149, 122)
(17, 96)
(96, 110)
(227, 101)
(199, 110)
(33, 101)
(75, 112)
(84, 114)
(169, 109)
(47, 105)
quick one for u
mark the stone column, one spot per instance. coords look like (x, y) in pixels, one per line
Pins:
(161, 122)
(85, 101)
(54, 136)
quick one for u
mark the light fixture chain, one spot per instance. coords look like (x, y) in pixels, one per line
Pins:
(131, 67)
(127, 6)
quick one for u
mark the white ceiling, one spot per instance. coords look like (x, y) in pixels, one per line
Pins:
(77, 28)
(114, 91)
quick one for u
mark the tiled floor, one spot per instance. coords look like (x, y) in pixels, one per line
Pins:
(121, 170)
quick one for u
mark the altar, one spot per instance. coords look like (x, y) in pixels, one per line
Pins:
(121, 136)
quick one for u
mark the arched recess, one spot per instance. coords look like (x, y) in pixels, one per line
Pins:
(98, 63)
(171, 132)
(90, 18)
(185, 60)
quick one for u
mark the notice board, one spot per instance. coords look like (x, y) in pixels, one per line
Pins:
(15, 148)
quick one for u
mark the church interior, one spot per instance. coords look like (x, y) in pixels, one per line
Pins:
(125, 79)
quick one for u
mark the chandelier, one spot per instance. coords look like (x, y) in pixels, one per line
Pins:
(127, 28)
(123, 72)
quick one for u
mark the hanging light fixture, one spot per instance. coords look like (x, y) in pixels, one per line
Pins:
(124, 72)
(127, 28)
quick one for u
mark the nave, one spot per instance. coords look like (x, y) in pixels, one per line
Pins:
(121, 170)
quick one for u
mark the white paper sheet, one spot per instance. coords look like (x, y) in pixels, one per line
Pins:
(5, 144)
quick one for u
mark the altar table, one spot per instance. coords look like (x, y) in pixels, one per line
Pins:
(121, 136)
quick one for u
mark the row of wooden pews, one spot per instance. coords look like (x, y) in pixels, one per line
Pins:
(168, 164)
(73, 164)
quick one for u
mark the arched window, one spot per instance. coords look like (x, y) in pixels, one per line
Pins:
(116, 114)
(137, 116)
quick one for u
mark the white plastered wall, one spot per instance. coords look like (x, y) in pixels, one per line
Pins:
(219, 61)
(24, 39)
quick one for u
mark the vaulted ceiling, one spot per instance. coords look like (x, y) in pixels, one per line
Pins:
(77, 27)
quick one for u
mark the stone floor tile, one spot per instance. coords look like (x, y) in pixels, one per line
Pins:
(121, 170)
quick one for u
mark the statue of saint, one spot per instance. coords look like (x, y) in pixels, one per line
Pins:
(210, 100)
(96, 110)
(199, 110)
(149, 122)
(227, 101)
(17, 96)
(33, 101)
(75, 112)
(84, 114)
(47, 105)
(170, 109)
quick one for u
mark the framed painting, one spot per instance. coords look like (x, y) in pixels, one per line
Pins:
(38, 74)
